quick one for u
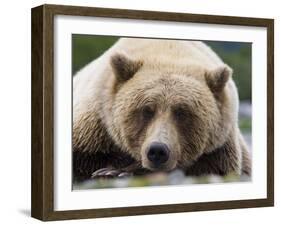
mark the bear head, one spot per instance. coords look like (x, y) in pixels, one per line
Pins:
(167, 116)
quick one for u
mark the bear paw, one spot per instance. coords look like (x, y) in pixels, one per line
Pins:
(110, 173)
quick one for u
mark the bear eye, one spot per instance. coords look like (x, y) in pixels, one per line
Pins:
(179, 113)
(148, 112)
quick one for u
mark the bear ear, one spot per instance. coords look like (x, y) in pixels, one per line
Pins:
(123, 67)
(216, 79)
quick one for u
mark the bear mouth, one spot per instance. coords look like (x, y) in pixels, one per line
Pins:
(167, 167)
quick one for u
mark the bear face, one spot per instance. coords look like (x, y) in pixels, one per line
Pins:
(168, 118)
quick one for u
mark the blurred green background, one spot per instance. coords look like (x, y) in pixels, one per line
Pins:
(86, 48)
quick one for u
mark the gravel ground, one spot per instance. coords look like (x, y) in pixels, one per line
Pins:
(157, 179)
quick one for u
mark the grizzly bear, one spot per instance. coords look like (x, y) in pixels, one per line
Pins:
(156, 105)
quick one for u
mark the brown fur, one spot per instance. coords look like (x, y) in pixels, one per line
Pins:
(135, 101)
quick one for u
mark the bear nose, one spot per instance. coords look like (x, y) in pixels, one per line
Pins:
(158, 153)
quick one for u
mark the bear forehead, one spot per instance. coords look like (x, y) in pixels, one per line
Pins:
(166, 83)
(169, 89)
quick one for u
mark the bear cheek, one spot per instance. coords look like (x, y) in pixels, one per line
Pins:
(134, 133)
(192, 139)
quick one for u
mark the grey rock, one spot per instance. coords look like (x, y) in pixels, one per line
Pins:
(245, 109)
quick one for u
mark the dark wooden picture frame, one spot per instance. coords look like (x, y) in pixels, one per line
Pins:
(42, 203)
